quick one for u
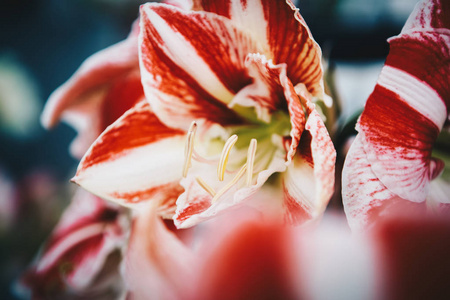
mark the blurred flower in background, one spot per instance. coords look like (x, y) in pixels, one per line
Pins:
(20, 105)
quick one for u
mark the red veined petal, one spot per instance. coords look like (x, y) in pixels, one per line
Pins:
(366, 200)
(265, 93)
(184, 4)
(192, 64)
(407, 54)
(299, 187)
(99, 69)
(429, 14)
(270, 91)
(87, 99)
(194, 204)
(425, 34)
(136, 159)
(88, 233)
(296, 114)
(282, 32)
(402, 119)
(398, 141)
(194, 201)
(92, 117)
(121, 96)
(158, 264)
(413, 91)
(309, 180)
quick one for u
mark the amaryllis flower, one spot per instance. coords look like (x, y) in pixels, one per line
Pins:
(229, 92)
(105, 86)
(82, 256)
(389, 166)
(242, 256)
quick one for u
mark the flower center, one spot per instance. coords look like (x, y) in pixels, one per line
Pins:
(246, 161)
(222, 164)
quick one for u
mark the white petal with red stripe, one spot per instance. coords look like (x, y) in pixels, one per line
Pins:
(282, 33)
(136, 159)
(192, 64)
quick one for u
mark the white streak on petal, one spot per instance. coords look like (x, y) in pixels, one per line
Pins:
(251, 18)
(75, 237)
(184, 55)
(141, 168)
(416, 93)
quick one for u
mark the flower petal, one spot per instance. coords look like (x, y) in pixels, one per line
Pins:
(87, 99)
(398, 141)
(425, 34)
(270, 91)
(413, 91)
(265, 93)
(158, 264)
(282, 32)
(187, 76)
(254, 260)
(401, 121)
(366, 200)
(91, 117)
(194, 205)
(309, 180)
(88, 233)
(135, 159)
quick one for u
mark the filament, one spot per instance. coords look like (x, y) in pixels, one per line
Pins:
(205, 186)
(224, 156)
(230, 184)
(189, 147)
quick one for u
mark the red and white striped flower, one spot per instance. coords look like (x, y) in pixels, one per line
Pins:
(229, 89)
(389, 166)
(82, 255)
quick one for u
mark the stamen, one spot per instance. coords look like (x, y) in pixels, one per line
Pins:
(205, 186)
(250, 161)
(230, 184)
(224, 156)
(189, 147)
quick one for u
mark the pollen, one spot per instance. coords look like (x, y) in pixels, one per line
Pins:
(189, 148)
(250, 161)
(224, 156)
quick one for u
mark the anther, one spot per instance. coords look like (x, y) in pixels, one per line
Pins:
(224, 156)
(250, 161)
(205, 186)
(189, 147)
(230, 184)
